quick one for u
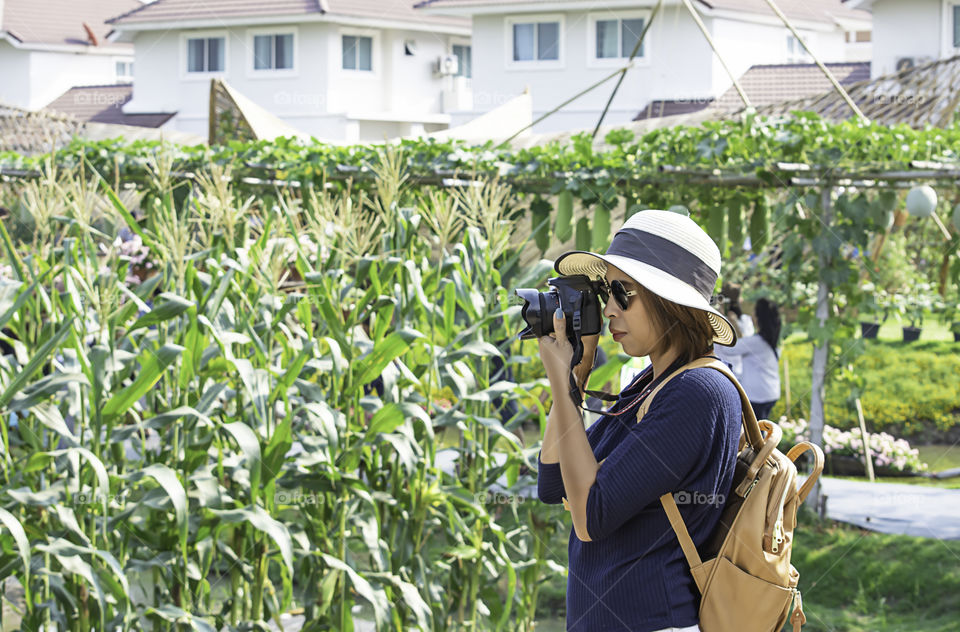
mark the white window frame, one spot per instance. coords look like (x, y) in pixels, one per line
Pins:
(535, 64)
(373, 34)
(206, 75)
(801, 56)
(461, 41)
(272, 73)
(615, 62)
(123, 78)
(949, 50)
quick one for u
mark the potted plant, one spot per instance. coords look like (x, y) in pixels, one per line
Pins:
(913, 308)
(873, 301)
(951, 316)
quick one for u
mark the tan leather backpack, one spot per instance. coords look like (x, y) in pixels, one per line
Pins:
(744, 575)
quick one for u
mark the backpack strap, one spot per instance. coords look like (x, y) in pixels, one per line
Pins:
(686, 542)
(750, 426)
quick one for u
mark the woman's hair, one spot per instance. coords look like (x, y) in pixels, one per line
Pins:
(683, 328)
(768, 322)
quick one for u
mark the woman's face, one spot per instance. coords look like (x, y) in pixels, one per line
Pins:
(631, 327)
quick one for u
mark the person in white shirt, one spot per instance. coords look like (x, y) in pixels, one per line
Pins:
(759, 359)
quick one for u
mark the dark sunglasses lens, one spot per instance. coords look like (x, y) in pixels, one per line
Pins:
(620, 294)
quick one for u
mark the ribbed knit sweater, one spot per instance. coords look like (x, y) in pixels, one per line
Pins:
(632, 575)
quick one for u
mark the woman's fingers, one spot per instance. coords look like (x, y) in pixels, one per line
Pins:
(560, 327)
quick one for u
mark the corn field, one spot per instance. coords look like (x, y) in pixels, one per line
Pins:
(216, 410)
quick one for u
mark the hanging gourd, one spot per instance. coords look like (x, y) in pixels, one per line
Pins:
(583, 234)
(601, 229)
(922, 201)
(717, 226)
(679, 208)
(887, 202)
(735, 225)
(540, 222)
(956, 217)
(563, 229)
(760, 225)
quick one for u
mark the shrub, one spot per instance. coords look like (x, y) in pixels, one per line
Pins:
(910, 391)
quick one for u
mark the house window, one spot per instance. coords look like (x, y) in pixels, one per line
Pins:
(617, 38)
(796, 54)
(124, 71)
(536, 41)
(858, 37)
(205, 54)
(357, 52)
(464, 60)
(273, 52)
(956, 26)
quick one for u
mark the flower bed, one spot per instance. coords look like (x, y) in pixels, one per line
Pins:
(843, 450)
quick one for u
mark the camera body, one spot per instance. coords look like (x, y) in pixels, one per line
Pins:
(576, 295)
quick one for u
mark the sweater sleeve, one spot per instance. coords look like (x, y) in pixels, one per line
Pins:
(672, 442)
(550, 488)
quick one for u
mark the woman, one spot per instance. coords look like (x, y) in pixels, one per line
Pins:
(759, 360)
(627, 571)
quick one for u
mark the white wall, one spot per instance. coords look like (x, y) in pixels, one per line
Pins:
(906, 28)
(52, 74)
(31, 79)
(314, 97)
(744, 44)
(677, 66)
(14, 76)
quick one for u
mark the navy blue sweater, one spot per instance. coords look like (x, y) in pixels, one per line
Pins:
(632, 575)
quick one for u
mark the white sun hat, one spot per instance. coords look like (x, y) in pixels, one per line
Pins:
(668, 254)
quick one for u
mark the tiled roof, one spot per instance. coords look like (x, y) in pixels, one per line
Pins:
(810, 10)
(785, 82)
(671, 107)
(61, 21)
(213, 10)
(101, 104)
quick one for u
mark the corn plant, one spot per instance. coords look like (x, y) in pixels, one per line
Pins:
(254, 428)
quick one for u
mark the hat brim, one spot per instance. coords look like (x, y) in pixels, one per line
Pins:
(657, 281)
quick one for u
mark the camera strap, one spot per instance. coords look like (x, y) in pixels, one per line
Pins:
(575, 394)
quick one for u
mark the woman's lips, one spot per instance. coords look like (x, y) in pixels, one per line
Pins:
(618, 335)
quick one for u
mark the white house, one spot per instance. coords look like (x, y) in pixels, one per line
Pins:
(909, 33)
(560, 47)
(350, 70)
(49, 46)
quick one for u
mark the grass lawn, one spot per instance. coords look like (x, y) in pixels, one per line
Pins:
(940, 457)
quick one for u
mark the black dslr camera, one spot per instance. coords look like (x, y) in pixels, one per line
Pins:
(577, 296)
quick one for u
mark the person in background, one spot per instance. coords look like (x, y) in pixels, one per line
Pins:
(759, 358)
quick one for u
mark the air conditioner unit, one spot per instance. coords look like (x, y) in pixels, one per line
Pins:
(906, 63)
(447, 65)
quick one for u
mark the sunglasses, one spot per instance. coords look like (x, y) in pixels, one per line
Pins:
(619, 292)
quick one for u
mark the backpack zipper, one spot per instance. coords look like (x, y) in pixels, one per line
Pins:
(776, 533)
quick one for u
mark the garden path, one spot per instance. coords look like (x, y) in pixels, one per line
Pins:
(927, 512)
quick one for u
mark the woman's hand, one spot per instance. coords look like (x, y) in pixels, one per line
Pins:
(556, 352)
